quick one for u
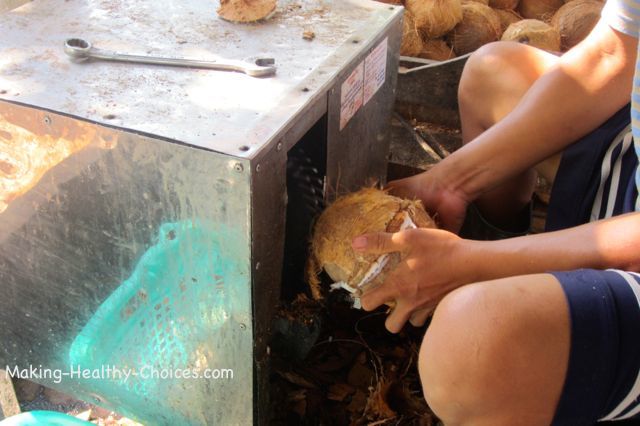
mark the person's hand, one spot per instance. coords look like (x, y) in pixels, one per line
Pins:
(434, 262)
(448, 207)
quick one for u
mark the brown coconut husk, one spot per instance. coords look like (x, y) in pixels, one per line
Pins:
(504, 4)
(412, 43)
(246, 10)
(575, 20)
(480, 25)
(362, 212)
(485, 2)
(534, 33)
(435, 18)
(542, 10)
(437, 49)
(507, 17)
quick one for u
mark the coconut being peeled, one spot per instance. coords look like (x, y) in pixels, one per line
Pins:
(362, 212)
(575, 20)
(534, 33)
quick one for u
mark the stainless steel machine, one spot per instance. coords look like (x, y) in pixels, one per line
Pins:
(143, 208)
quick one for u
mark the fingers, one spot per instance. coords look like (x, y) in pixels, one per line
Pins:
(398, 318)
(418, 318)
(377, 296)
(378, 243)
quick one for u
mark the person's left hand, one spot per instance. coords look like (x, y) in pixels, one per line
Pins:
(434, 262)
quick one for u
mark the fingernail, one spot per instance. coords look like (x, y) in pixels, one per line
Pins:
(359, 243)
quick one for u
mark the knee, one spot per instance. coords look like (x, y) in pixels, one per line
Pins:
(489, 69)
(450, 363)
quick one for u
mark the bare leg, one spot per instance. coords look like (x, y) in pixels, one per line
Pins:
(496, 352)
(494, 80)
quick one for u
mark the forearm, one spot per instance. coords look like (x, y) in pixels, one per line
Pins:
(610, 243)
(586, 87)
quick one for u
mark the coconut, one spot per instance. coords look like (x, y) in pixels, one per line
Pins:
(437, 50)
(575, 20)
(362, 212)
(480, 25)
(485, 2)
(435, 17)
(541, 10)
(412, 43)
(504, 4)
(534, 33)
(246, 10)
(507, 17)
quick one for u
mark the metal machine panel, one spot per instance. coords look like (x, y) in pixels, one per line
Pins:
(126, 253)
(223, 111)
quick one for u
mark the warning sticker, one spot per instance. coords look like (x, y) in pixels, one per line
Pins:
(351, 95)
(375, 70)
(363, 83)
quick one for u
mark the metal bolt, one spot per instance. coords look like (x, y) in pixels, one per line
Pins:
(258, 167)
(47, 120)
(279, 146)
(238, 168)
(257, 265)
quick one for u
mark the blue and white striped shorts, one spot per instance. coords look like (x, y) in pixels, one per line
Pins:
(595, 181)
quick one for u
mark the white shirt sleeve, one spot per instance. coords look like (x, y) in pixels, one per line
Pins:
(622, 15)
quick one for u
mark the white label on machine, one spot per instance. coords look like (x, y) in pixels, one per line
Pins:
(375, 70)
(351, 95)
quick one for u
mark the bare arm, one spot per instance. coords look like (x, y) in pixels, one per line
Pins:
(589, 84)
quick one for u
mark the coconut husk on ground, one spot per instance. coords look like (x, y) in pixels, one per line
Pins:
(534, 33)
(480, 25)
(366, 211)
(435, 18)
(575, 20)
(246, 10)
(541, 10)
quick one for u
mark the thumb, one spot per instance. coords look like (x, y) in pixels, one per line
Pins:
(378, 243)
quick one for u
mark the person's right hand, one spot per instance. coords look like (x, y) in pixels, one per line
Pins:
(447, 206)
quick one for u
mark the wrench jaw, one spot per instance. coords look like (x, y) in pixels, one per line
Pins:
(263, 67)
(79, 50)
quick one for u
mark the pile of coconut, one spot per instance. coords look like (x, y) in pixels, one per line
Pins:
(366, 211)
(443, 29)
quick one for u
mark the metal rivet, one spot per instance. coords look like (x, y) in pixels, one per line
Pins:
(305, 89)
(279, 146)
(243, 327)
(258, 167)
(109, 117)
(355, 41)
(3, 92)
(244, 148)
(257, 265)
(47, 120)
(238, 168)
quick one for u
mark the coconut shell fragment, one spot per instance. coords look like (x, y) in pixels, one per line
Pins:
(246, 10)
(435, 17)
(480, 25)
(362, 212)
(534, 33)
(575, 20)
